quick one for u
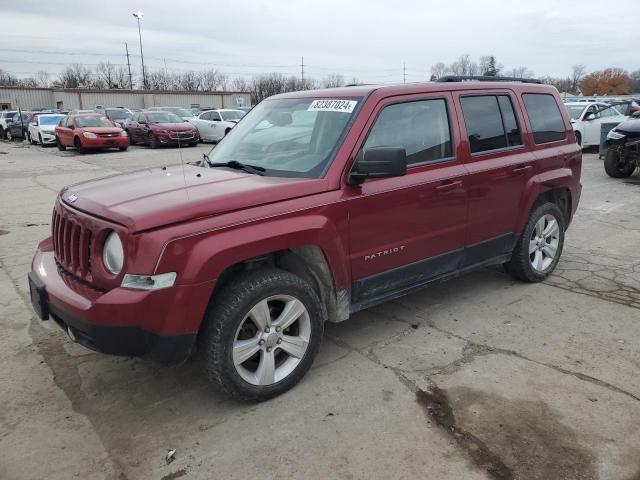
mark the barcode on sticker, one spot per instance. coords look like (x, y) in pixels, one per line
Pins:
(345, 106)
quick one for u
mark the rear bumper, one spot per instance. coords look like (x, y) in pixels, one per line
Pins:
(160, 324)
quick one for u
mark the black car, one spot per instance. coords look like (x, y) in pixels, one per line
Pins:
(623, 152)
(17, 128)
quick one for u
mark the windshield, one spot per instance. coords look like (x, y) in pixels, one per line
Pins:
(118, 114)
(52, 120)
(93, 122)
(231, 115)
(163, 117)
(288, 137)
(575, 111)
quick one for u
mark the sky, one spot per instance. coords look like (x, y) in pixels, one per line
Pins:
(367, 39)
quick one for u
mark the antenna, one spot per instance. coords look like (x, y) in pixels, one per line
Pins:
(126, 47)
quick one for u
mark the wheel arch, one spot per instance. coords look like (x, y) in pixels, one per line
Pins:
(553, 187)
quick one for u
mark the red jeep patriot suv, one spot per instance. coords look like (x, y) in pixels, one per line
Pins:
(316, 205)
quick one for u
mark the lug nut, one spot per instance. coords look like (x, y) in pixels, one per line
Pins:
(261, 342)
(277, 329)
(268, 349)
(266, 330)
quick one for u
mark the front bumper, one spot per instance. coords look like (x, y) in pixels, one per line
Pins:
(105, 142)
(48, 138)
(160, 324)
(171, 139)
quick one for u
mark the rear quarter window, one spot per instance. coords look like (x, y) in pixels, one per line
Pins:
(545, 117)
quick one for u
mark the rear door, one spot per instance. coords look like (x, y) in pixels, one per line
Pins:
(405, 231)
(499, 165)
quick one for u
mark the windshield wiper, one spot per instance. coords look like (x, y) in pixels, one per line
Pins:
(236, 165)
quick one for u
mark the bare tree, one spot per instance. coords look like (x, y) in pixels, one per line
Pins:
(438, 70)
(189, 81)
(521, 72)
(240, 84)
(577, 74)
(213, 80)
(76, 76)
(635, 81)
(464, 66)
(106, 72)
(354, 81)
(489, 66)
(7, 79)
(333, 80)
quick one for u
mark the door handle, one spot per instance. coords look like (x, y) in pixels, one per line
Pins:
(447, 187)
(521, 170)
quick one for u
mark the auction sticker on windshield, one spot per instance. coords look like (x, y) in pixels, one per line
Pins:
(345, 106)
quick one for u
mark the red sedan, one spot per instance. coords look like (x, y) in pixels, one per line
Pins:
(90, 131)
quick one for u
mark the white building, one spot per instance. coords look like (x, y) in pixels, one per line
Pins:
(71, 98)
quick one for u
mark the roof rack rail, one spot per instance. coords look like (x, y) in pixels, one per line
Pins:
(485, 78)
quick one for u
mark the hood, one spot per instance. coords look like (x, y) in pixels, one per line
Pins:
(47, 128)
(155, 197)
(102, 129)
(174, 127)
(630, 127)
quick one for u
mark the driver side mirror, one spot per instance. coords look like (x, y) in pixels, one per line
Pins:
(34, 124)
(590, 117)
(378, 162)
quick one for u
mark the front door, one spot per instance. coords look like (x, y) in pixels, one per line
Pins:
(405, 231)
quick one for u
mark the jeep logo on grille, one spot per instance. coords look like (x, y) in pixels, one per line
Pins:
(72, 198)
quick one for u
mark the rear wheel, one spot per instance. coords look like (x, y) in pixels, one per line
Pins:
(261, 334)
(615, 166)
(153, 141)
(538, 249)
(579, 138)
(3, 133)
(78, 144)
(59, 144)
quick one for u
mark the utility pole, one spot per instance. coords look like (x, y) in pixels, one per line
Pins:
(126, 47)
(404, 72)
(138, 16)
(302, 72)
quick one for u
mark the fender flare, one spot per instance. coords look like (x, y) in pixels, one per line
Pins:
(205, 256)
(536, 186)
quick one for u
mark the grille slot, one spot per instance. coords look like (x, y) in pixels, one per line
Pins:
(72, 244)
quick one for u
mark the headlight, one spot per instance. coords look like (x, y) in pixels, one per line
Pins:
(123, 133)
(89, 135)
(149, 282)
(113, 253)
(613, 135)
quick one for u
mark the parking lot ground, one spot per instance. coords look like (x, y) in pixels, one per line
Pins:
(481, 377)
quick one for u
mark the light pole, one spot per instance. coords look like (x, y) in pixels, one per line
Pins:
(138, 16)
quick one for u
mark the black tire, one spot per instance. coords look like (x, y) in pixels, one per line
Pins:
(78, 144)
(3, 133)
(227, 311)
(520, 266)
(226, 132)
(60, 146)
(9, 136)
(123, 149)
(579, 138)
(31, 140)
(153, 141)
(612, 165)
(40, 139)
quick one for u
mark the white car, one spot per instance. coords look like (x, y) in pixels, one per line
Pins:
(5, 119)
(213, 125)
(41, 129)
(586, 118)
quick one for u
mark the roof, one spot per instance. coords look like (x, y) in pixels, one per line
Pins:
(86, 114)
(411, 88)
(583, 104)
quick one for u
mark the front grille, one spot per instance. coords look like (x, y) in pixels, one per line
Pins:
(72, 244)
(108, 135)
(181, 135)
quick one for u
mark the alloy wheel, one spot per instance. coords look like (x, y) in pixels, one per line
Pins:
(544, 242)
(271, 340)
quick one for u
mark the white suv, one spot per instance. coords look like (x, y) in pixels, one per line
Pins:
(586, 118)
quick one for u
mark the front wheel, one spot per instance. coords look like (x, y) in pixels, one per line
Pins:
(61, 147)
(31, 140)
(262, 331)
(538, 249)
(579, 139)
(78, 144)
(615, 166)
(153, 141)
(9, 136)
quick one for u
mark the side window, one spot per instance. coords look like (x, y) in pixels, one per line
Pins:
(214, 116)
(420, 127)
(135, 117)
(609, 112)
(545, 118)
(483, 122)
(510, 122)
(205, 116)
